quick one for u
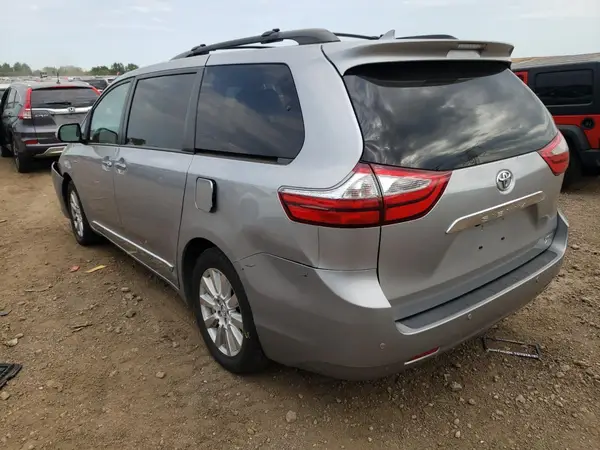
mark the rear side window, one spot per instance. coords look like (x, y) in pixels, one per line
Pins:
(158, 111)
(572, 87)
(56, 97)
(445, 115)
(250, 110)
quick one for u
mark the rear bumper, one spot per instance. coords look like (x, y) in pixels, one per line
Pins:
(44, 150)
(340, 324)
(57, 182)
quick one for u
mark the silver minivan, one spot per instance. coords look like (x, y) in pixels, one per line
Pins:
(349, 206)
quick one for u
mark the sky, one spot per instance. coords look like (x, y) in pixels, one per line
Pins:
(86, 33)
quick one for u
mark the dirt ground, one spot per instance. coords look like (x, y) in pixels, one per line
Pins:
(92, 354)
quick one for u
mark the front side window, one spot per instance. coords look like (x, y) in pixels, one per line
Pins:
(106, 117)
(571, 87)
(250, 110)
(158, 111)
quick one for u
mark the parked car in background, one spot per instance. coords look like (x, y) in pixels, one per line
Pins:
(569, 86)
(353, 237)
(31, 113)
(3, 88)
(98, 83)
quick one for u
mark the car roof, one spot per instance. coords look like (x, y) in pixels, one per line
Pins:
(48, 84)
(556, 61)
(316, 39)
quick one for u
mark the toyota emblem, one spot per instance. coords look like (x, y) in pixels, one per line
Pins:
(71, 109)
(504, 180)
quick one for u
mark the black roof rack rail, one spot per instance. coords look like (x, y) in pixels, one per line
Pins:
(357, 36)
(302, 37)
(429, 36)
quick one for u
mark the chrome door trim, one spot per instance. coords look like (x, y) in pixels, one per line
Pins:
(495, 212)
(139, 247)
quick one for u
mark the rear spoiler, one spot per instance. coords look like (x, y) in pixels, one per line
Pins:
(345, 55)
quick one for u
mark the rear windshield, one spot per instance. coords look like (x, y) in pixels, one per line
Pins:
(445, 115)
(57, 97)
(98, 84)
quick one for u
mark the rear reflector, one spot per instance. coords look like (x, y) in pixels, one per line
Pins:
(423, 355)
(409, 194)
(31, 142)
(556, 155)
(372, 195)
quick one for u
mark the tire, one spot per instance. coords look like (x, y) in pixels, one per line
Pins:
(84, 235)
(574, 173)
(238, 351)
(23, 164)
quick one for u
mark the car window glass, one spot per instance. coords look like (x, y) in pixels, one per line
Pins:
(78, 97)
(158, 111)
(106, 118)
(445, 115)
(11, 98)
(572, 87)
(250, 109)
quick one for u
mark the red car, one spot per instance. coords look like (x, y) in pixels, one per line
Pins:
(569, 86)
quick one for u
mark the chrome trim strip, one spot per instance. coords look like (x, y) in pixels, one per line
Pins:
(139, 247)
(64, 110)
(495, 212)
(54, 150)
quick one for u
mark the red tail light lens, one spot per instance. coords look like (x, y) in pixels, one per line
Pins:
(556, 155)
(25, 113)
(355, 202)
(371, 195)
(409, 194)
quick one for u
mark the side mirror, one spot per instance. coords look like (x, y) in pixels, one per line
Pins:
(70, 132)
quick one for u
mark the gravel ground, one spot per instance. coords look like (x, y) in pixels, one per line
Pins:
(112, 359)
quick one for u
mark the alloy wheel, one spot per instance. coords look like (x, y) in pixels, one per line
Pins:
(221, 312)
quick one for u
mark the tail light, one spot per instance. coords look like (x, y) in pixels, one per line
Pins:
(96, 90)
(556, 155)
(371, 195)
(25, 112)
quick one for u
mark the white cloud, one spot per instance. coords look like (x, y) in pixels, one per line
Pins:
(133, 26)
(151, 6)
(559, 9)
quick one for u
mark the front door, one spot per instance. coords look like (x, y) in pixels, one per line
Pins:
(151, 169)
(95, 160)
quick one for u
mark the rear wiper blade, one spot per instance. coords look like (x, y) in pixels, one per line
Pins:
(58, 103)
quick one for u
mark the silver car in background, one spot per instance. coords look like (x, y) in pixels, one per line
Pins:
(347, 206)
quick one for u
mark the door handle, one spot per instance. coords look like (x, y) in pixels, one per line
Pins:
(120, 164)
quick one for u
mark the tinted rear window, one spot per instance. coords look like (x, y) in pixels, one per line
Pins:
(250, 110)
(63, 97)
(445, 115)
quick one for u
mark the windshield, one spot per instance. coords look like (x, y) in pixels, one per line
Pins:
(445, 115)
(77, 97)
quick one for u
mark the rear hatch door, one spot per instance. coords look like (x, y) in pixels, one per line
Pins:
(54, 106)
(479, 122)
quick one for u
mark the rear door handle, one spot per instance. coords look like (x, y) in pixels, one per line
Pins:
(120, 165)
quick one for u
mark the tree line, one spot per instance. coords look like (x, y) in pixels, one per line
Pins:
(23, 69)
